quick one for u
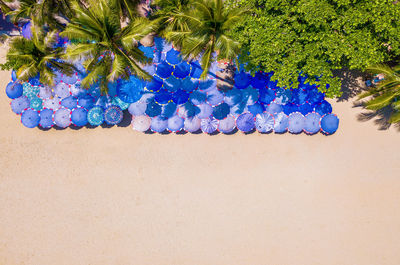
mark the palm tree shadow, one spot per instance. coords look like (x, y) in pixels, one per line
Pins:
(380, 117)
(353, 83)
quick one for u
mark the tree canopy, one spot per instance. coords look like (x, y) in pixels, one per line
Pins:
(315, 37)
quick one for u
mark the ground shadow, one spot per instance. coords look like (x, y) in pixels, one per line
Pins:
(353, 83)
(380, 117)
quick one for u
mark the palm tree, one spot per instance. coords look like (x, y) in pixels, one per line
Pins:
(126, 8)
(37, 56)
(208, 24)
(386, 92)
(108, 50)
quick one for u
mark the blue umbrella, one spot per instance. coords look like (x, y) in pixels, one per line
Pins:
(163, 97)
(207, 85)
(13, 75)
(281, 122)
(283, 96)
(205, 111)
(86, 101)
(188, 110)
(256, 108)
(103, 101)
(175, 123)
(30, 118)
(95, 116)
(233, 97)
(36, 103)
(182, 70)
(215, 97)
(250, 95)
(130, 91)
(265, 122)
(113, 115)
(312, 123)
(227, 125)
(62, 118)
(305, 108)
(196, 69)
(14, 90)
(148, 51)
(296, 122)
(314, 96)
(209, 125)
(329, 123)
(72, 79)
(70, 102)
(168, 110)
(172, 84)
(141, 123)
(154, 85)
(238, 109)
(158, 124)
(272, 84)
(164, 70)
(245, 122)
(180, 97)
(221, 111)
(274, 108)
(289, 108)
(173, 57)
(153, 109)
(79, 117)
(45, 92)
(51, 103)
(137, 108)
(150, 69)
(26, 31)
(300, 96)
(46, 118)
(192, 124)
(260, 80)
(62, 90)
(20, 104)
(189, 84)
(323, 108)
(242, 80)
(198, 97)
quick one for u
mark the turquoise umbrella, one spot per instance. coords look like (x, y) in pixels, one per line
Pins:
(95, 116)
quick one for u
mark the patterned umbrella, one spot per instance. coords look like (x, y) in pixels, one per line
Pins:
(120, 103)
(245, 122)
(281, 122)
(138, 108)
(227, 125)
(30, 91)
(14, 90)
(329, 123)
(70, 102)
(209, 125)
(205, 111)
(62, 118)
(265, 122)
(182, 70)
(164, 70)
(312, 123)
(46, 118)
(79, 116)
(52, 103)
(36, 103)
(296, 122)
(20, 104)
(30, 118)
(242, 80)
(113, 115)
(215, 97)
(192, 124)
(175, 124)
(274, 108)
(141, 123)
(62, 90)
(158, 124)
(95, 116)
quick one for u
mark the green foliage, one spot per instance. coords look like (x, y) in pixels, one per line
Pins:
(386, 92)
(316, 37)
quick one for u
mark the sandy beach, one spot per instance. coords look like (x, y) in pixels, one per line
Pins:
(116, 196)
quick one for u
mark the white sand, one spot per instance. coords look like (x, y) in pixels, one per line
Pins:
(115, 196)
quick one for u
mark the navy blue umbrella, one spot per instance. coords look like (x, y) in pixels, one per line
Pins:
(274, 108)
(296, 122)
(130, 91)
(227, 125)
(264, 122)
(266, 95)
(209, 125)
(70, 102)
(215, 97)
(260, 80)
(62, 118)
(18, 105)
(207, 85)
(305, 108)
(221, 111)
(46, 118)
(245, 122)
(180, 97)
(79, 117)
(163, 97)
(173, 57)
(198, 97)
(164, 70)
(26, 31)
(250, 95)
(30, 118)
(172, 84)
(233, 96)
(189, 84)
(182, 70)
(113, 115)
(329, 123)
(283, 96)
(314, 96)
(13, 75)
(158, 124)
(192, 124)
(155, 84)
(188, 110)
(196, 69)
(256, 108)
(14, 90)
(242, 80)
(289, 108)
(272, 84)
(300, 96)
(86, 101)
(281, 122)
(323, 108)
(168, 110)
(175, 123)
(153, 109)
(312, 123)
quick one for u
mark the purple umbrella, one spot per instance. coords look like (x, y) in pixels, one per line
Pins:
(175, 123)
(329, 123)
(296, 122)
(46, 118)
(221, 111)
(192, 124)
(86, 102)
(72, 79)
(180, 97)
(26, 31)
(323, 108)
(113, 115)
(70, 102)
(227, 125)
(305, 108)
(245, 122)
(30, 118)
(158, 124)
(209, 125)
(312, 123)
(264, 122)
(20, 104)
(266, 95)
(62, 118)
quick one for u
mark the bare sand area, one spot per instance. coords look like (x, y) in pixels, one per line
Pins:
(116, 196)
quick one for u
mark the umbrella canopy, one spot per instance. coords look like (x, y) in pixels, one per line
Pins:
(70, 102)
(95, 116)
(198, 97)
(113, 115)
(172, 84)
(77, 91)
(164, 70)
(265, 122)
(215, 97)
(233, 96)
(30, 90)
(34, 81)
(315, 97)
(305, 108)
(283, 96)
(189, 84)
(296, 122)
(14, 90)
(86, 101)
(153, 109)
(196, 69)
(182, 70)
(329, 123)
(163, 97)
(168, 110)
(150, 69)
(141, 123)
(209, 125)
(289, 108)
(221, 111)
(323, 108)
(46, 118)
(192, 124)
(20, 104)
(205, 111)
(45, 92)
(180, 97)
(26, 31)
(173, 57)
(62, 118)
(245, 122)
(256, 108)
(207, 85)
(79, 117)
(155, 84)
(36, 103)
(62, 90)
(130, 91)
(281, 122)
(30, 118)
(260, 80)
(274, 108)
(266, 95)
(175, 123)
(312, 123)
(300, 96)
(227, 125)
(250, 95)
(148, 51)
(158, 124)
(187, 110)
(242, 80)
(13, 75)
(138, 108)
(52, 103)
(120, 103)
(70, 79)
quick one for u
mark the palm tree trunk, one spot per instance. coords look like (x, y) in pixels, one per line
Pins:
(147, 41)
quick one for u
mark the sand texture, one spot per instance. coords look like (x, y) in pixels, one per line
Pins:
(116, 196)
